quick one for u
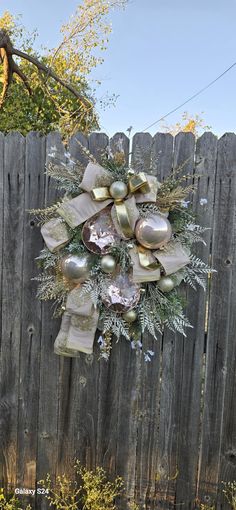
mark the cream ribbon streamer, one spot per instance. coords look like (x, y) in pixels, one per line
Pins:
(78, 326)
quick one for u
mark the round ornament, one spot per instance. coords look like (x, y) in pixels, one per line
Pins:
(108, 264)
(121, 293)
(130, 316)
(76, 267)
(118, 190)
(99, 233)
(166, 284)
(154, 231)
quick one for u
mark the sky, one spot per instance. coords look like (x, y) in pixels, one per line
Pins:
(160, 53)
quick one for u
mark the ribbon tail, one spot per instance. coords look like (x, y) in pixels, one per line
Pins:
(125, 215)
(82, 332)
(60, 344)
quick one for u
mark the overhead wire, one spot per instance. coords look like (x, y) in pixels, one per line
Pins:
(189, 99)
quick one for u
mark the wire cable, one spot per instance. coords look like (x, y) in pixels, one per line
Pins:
(190, 98)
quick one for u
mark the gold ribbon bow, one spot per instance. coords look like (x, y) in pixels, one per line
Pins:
(137, 182)
(96, 184)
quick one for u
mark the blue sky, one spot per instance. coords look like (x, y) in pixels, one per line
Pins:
(160, 53)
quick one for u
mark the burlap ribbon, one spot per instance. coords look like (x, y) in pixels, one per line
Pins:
(78, 326)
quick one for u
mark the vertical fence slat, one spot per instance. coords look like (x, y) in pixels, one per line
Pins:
(14, 173)
(148, 425)
(172, 370)
(163, 151)
(2, 462)
(71, 377)
(221, 327)
(47, 448)
(110, 375)
(31, 316)
(191, 399)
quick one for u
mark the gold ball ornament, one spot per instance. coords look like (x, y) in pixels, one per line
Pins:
(154, 231)
(76, 267)
(118, 190)
(130, 316)
(108, 264)
(166, 284)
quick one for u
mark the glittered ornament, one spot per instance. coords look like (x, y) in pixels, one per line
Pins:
(108, 264)
(130, 316)
(99, 233)
(154, 231)
(76, 267)
(118, 190)
(166, 284)
(121, 293)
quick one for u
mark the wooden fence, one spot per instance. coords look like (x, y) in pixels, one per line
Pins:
(169, 426)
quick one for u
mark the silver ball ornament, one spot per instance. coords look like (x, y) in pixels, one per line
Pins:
(154, 231)
(118, 190)
(130, 316)
(76, 267)
(108, 264)
(166, 284)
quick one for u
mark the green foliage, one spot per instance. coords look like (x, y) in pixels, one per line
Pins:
(11, 502)
(229, 492)
(92, 491)
(51, 106)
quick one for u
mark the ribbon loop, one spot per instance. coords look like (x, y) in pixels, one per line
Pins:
(147, 259)
(100, 194)
(139, 182)
(123, 218)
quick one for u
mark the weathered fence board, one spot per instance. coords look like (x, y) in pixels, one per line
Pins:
(169, 426)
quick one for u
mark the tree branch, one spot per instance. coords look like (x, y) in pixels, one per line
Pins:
(10, 67)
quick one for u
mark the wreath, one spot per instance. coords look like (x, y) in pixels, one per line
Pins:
(118, 245)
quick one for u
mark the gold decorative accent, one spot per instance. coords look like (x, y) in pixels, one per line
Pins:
(147, 259)
(139, 182)
(100, 194)
(123, 218)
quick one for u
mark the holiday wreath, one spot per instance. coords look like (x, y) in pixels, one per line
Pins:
(118, 244)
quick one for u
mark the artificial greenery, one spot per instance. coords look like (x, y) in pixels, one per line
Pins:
(155, 309)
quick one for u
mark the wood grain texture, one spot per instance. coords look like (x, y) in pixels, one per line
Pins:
(12, 277)
(168, 427)
(48, 408)
(29, 365)
(218, 442)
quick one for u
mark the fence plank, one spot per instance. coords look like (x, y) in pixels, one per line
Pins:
(14, 174)
(31, 316)
(148, 425)
(2, 462)
(172, 372)
(193, 358)
(109, 391)
(220, 338)
(47, 441)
